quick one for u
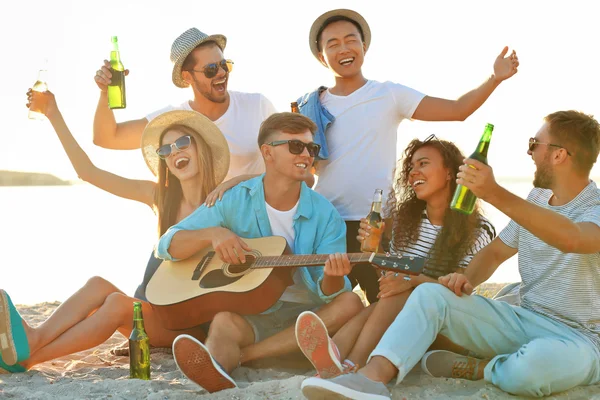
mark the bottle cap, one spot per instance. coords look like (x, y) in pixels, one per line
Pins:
(114, 39)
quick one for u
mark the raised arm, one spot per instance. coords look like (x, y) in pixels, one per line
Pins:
(107, 132)
(139, 190)
(554, 229)
(437, 109)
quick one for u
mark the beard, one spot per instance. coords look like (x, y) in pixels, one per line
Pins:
(207, 94)
(544, 177)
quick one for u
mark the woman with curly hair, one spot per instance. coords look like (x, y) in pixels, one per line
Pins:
(423, 225)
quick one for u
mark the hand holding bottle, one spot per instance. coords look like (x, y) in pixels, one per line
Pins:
(45, 102)
(366, 230)
(104, 75)
(478, 178)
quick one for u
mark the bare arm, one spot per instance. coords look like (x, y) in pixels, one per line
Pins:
(219, 191)
(554, 229)
(107, 132)
(139, 190)
(487, 260)
(481, 267)
(437, 109)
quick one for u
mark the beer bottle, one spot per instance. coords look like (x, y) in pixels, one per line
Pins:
(139, 346)
(464, 200)
(371, 242)
(38, 106)
(295, 108)
(116, 88)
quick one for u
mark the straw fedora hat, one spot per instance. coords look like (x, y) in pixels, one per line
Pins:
(317, 27)
(205, 128)
(183, 46)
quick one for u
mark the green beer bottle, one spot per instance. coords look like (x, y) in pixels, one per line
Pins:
(116, 88)
(464, 200)
(139, 346)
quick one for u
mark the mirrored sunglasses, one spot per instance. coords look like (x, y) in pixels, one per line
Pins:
(182, 143)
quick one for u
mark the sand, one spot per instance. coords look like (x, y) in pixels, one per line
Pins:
(100, 374)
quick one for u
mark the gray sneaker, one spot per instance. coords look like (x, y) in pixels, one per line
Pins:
(347, 386)
(446, 364)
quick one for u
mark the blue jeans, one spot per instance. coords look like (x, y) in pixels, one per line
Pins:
(530, 354)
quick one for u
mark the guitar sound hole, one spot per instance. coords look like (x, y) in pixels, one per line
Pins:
(239, 268)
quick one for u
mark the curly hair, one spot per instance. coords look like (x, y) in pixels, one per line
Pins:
(459, 231)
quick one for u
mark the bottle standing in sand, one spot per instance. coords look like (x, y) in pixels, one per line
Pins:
(38, 103)
(116, 88)
(464, 200)
(371, 242)
(139, 346)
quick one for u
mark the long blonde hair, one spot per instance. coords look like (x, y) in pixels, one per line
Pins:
(167, 199)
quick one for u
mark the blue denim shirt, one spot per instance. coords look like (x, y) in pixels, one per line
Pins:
(318, 226)
(310, 106)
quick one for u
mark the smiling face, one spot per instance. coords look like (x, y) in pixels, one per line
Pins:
(215, 88)
(342, 49)
(279, 161)
(181, 163)
(428, 176)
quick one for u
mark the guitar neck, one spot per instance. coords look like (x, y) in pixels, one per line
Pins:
(305, 260)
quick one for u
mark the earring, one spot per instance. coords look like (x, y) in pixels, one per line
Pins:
(167, 177)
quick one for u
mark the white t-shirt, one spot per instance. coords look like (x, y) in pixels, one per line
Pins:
(282, 224)
(362, 144)
(240, 125)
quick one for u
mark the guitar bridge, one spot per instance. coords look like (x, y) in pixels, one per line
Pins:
(202, 265)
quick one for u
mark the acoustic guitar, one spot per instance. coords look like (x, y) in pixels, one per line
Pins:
(190, 292)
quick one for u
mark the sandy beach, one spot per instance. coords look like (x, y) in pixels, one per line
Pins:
(101, 374)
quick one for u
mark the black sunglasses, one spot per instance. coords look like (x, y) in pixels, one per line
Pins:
(534, 142)
(432, 137)
(211, 70)
(297, 146)
(182, 143)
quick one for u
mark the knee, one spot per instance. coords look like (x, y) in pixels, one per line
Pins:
(98, 285)
(350, 303)
(428, 293)
(224, 323)
(119, 306)
(344, 307)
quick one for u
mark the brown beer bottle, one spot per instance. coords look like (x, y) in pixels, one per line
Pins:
(295, 108)
(371, 242)
(38, 106)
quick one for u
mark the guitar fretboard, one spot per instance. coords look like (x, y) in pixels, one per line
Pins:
(300, 260)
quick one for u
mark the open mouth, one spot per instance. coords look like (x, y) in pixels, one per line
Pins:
(347, 61)
(418, 183)
(301, 165)
(220, 85)
(182, 162)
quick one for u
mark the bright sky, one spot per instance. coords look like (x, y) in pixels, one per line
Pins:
(442, 48)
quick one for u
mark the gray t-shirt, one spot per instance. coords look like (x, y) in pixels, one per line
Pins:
(561, 286)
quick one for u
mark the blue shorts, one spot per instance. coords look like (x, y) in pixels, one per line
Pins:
(266, 325)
